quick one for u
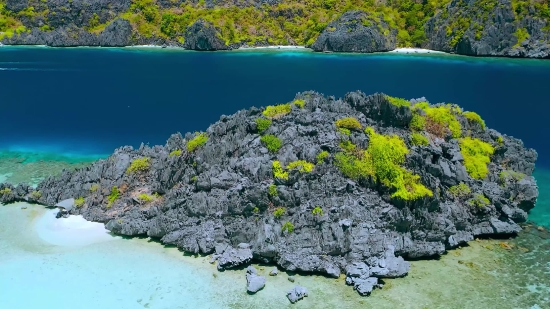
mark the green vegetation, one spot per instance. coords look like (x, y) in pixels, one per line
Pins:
(36, 195)
(278, 171)
(417, 122)
(272, 190)
(474, 117)
(300, 103)
(344, 131)
(480, 200)
(382, 160)
(115, 193)
(476, 155)
(5, 191)
(262, 124)
(256, 210)
(522, 35)
(509, 175)
(199, 140)
(279, 212)
(288, 226)
(398, 101)
(277, 111)
(500, 140)
(301, 165)
(419, 139)
(271, 142)
(79, 202)
(322, 156)
(438, 120)
(350, 123)
(460, 191)
(175, 153)
(94, 187)
(194, 178)
(145, 198)
(318, 211)
(139, 165)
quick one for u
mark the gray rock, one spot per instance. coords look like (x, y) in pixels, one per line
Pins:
(274, 272)
(296, 293)
(67, 204)
(254, 282)
(365, 286)
(203, 36)
(232, 257)
(291, 278)
(356, 31)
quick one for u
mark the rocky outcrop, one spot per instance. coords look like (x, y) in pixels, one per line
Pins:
(254, 281)
(296, 293)
(358, 32)
(203, 36)
(493, 28)
(222, 192)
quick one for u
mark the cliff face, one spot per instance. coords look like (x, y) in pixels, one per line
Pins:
(358, 32)
(513, 28)
(317, 185)
(490, 28)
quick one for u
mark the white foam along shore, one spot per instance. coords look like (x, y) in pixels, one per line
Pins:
(71, 231)
(410, 50)
(274, 47)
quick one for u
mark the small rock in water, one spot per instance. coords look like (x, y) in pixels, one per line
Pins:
(274, 272)
(296, 294)
(291, 278)
(255, 282)
(23, 207)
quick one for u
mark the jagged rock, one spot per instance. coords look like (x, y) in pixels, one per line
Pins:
(67, 204)
(216, 201)
(291, 278)
(274, 272)
(296, 294)
(254, 282)
(356, 31)
(234, 257)
(118, 33)
(203, 36)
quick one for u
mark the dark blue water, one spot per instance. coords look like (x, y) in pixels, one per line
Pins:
(91, 101)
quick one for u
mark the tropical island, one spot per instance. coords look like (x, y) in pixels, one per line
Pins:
(353, 186)
(511, 28)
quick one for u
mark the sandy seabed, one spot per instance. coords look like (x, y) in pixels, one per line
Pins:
(63, 262)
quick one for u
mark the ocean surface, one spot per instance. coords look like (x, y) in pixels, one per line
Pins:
(62, 108)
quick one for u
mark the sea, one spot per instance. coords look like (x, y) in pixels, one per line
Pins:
(61, 108)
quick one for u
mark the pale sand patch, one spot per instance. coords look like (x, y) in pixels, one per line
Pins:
(71, 231)
(408, 50)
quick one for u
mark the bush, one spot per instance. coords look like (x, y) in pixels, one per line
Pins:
(344, 131)
(145, 198)
(322, 156)
(480, 200)
(474, 117)
(139, 165)
(418, 122)
(349, 123)
(382, 160)
(36, 195)
(271, 142)
(262, 124)
(175, 153)
(277, 111)
(279, 212)
(301, 165)
(398, 101)
(94, 188)
(197, 141)
(272, 190)
(500, 140)
(347, 146)
(476, 155)
(300, 103)
(79, 202)
(113, 196)
(419, 139)
(318, 211)
(443, 115)
(509, 175)
(278, 171)
(460, 191)
(288, 226)
(5, 191)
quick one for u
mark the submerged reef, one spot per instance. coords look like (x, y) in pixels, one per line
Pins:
(354, 186)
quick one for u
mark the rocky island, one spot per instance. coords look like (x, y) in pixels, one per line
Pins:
(511, 28)
(353, 186)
